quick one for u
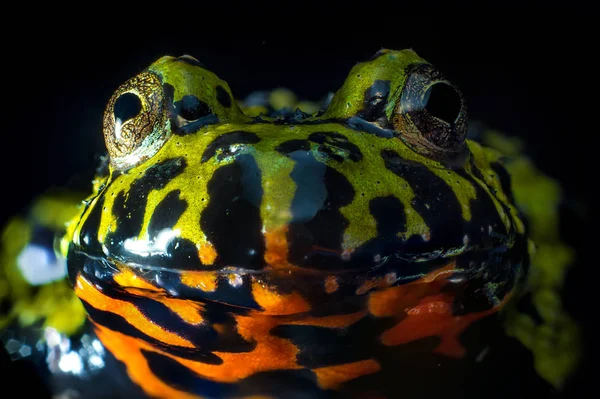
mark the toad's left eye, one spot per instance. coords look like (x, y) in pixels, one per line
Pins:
(135, 121)
(431, 115)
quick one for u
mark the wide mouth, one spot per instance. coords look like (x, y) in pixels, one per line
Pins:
(496, 264)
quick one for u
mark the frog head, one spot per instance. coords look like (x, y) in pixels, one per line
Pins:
(206, 219)
(380, 182)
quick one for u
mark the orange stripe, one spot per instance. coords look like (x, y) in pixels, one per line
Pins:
(433, 317)
(276, 247)
(87, 292)
(127, 350)
(270, 353)
(275, 303)
(205, 281)
(188, 311)
(207, 254)
(127, 278)
(332, 376)
(393, 301)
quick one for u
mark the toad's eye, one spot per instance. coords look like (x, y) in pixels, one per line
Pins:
(135, 121)
(431, 115)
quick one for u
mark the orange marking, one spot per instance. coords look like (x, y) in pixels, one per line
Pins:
(393, 301)
(337, 321)
(127, 278)
(276, 247)
(276, 251)
(433, 317)
(189, 311)
(270, 353)
(275, 303)
(331, 284)
(206, 281)
(331, 377)
(127, 350)
(207, 254)
(87, 292)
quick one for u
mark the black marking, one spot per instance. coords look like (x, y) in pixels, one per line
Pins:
(189, 60)
(180, 377)
(202, 336)
(290, 146)
(317, 241)
(336, 145)
(308, 175)
(191, 108)
(375, 100)
(484, 212)
(131, 216)
(189, 114)
(169, 92)
(231, 221)
(505, 181)
(192, 127)
(481, 192)
(117, 323)
(224, 141)
(166, 214)
(223, 97)
(129, 211)
(322, 346)
(127, 106)
(434, 200)
(88, 234)
(389, 215)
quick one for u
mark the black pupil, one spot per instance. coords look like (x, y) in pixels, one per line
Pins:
(127, 106)
(443, 102)
(192, 108)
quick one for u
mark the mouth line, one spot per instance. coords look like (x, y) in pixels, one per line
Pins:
(234, 286)
(104, 265)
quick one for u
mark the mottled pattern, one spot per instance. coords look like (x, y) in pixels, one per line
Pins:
(292, 253)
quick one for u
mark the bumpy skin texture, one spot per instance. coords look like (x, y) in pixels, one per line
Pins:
(224, 253)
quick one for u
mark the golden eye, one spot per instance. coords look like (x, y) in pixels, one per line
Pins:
(135, 121)
(431, 115)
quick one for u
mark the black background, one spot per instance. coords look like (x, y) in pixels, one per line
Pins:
(529, 76)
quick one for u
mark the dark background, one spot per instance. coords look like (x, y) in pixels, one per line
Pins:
(530, 77)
